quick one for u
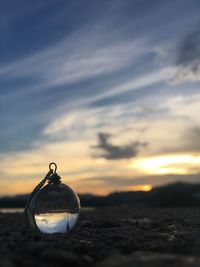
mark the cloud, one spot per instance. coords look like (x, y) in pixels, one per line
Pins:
(155, 180)
(131, 85)
(191, 139)
(188, 57)
(176, 114)
(73, 60)
(115, 152)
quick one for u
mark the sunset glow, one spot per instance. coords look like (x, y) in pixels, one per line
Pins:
(109, 90)
(141, 187)
(168, 164)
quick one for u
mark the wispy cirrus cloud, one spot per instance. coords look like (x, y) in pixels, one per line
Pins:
(73, 60)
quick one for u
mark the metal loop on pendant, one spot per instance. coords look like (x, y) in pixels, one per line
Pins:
(55, 167)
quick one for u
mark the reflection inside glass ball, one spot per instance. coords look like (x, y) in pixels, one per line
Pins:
(57, 222)
(55, 209)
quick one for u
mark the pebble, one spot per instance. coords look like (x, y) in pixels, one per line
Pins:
(86, 223)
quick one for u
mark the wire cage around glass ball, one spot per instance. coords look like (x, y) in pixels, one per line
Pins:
(54, 209)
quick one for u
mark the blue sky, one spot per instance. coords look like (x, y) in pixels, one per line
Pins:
(105, 85)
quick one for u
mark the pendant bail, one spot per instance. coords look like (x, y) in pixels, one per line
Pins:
(54, 178)
(55, 167)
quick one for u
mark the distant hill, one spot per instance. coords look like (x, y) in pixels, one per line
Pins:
(172, 195)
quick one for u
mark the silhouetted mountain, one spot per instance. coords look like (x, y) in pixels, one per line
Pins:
(14, 202)
(171, 195)
(177, 194)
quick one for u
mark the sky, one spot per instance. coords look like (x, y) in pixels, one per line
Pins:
(109, 90)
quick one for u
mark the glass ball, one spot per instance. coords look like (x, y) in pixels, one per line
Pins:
(54, 209)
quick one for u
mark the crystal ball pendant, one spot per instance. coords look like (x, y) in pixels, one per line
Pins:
(54, 208)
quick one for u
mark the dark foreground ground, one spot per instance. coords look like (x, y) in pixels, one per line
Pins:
(114, 237)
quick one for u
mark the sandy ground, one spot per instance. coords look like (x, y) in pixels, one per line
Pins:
(108, 237)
